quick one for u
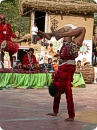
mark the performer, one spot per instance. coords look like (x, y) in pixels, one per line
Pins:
(5, 39)
(29, 59)
(64, 76)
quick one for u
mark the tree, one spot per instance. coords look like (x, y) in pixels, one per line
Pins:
(10, 8)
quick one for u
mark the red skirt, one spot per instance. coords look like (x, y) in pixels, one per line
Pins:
(11, 47)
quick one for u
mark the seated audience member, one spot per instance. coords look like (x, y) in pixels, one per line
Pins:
(51, 51)
(45, 43)
(18, 65)
(55, 65)
(87, 64)
(29, 60)
(14, 61)
(49, 64)
(79, 63)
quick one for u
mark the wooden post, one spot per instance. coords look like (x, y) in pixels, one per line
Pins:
(47, 23)
(32, 18)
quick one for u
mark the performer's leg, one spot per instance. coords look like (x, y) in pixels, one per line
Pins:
(50, 35)
(62, 30)
(78, 34)
(11, 59)
(70, 104)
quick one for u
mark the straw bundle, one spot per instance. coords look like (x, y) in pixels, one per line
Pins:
(58, 6)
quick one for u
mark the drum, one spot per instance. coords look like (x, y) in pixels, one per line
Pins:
(87, 73)
(37, 67)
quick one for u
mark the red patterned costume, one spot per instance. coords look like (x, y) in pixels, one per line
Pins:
(27, 60)
(64, 76)
(6, 34)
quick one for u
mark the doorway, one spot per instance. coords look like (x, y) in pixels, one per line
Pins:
(21, 54)
(40, 20)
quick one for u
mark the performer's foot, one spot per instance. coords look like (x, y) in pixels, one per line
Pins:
(42, 34)
(69, 119)
(52, 114)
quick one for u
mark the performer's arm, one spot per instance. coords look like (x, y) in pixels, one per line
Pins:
(34, 60)
(56, 104)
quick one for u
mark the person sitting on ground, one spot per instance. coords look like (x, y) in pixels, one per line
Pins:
(18, 65)
(79, 63)
(49, 64)
(29, 60)
(44, 43)
(51, 51)
(14, 61)
(87, 64)
(55, 65)
(61, 80)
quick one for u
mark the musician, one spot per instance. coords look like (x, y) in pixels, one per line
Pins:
(29, 59)
(5, 38)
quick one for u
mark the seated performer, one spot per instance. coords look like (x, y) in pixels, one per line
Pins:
(5, 39)
(29, 59)
(73, 39)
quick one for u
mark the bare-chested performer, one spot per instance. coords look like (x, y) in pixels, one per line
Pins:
(61, 83)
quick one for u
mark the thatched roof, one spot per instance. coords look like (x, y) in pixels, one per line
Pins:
(58, 6)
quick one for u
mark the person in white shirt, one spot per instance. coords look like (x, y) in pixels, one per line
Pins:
(34, 34)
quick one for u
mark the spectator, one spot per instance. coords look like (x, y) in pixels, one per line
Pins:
(34, 34)
(45, 43)
(79, 63)
(55, 65)
(14, 61)
(87, 64)
(49, 65)
(51, 51)
(18, 65)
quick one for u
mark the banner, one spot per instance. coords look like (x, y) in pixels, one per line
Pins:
(85, 53)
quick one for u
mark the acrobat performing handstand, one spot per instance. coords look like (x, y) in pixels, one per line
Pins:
(61, 80)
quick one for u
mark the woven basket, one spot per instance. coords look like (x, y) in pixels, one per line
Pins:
(88, 73)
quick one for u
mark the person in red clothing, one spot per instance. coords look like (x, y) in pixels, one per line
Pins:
(5, 39)
(29, 59)
(61, 83)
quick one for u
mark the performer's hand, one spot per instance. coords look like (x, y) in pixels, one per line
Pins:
(18, 37)
(52, 114)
